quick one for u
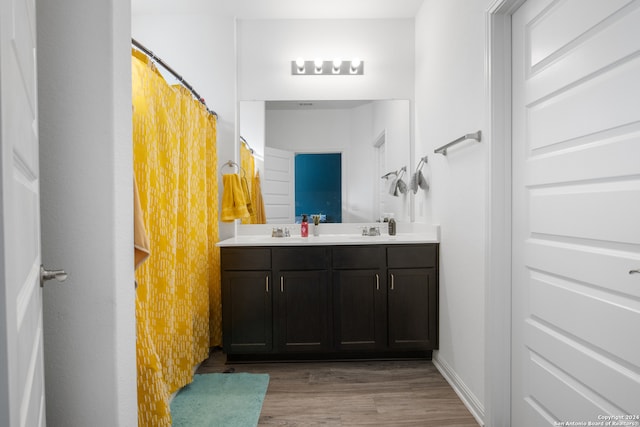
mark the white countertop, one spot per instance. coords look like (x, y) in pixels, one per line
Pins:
(328, 239)
(261, 236)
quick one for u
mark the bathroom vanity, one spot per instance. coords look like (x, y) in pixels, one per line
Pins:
(329, 297)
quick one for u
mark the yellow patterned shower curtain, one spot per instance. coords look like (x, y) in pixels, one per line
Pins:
(178, 304)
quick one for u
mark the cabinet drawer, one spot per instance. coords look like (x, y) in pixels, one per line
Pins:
(412, 256)
(301, 258)
(245, 258)
(347, 257)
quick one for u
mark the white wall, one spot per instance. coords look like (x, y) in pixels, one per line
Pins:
(267, 47)
(394, 119)
(450, 102)
(201, 48)
(252, 126)
(84, 70)
(361, 174)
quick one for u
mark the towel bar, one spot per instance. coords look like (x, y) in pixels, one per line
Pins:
(443, 150)
(231, 164)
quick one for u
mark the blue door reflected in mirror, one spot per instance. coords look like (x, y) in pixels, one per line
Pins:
(318, 186)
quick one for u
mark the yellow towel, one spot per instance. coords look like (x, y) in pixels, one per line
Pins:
(256, 191)
(234, 205)
(247, 195)
(140, 239)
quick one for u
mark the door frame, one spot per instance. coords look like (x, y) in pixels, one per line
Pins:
(498, 208)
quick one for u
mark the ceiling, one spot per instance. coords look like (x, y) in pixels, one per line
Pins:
(285, 9)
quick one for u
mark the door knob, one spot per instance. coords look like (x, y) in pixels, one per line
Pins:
(636, 271)
(59, 275)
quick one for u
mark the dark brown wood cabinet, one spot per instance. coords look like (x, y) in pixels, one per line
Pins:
(413, 297)
(330, 301)
(301, 316)
(412, 304)
(359, 298)
(247, 291)
(301, 320)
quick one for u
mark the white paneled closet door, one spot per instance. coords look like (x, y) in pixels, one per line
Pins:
(576, 212)
(278, 190)
(22, 401)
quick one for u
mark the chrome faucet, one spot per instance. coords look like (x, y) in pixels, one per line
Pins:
(279, 232)
(371, 231)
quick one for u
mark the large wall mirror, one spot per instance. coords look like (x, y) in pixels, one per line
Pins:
(370, 138)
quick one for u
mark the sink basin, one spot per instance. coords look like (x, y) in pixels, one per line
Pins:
(290, 239)
(357, 237)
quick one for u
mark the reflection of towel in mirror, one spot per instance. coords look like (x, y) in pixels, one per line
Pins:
(398, 186)
(393, 189)
(422, 181)
(247, 195)
(234, 204)
(419, 181)
(256, 191)
(413, 185)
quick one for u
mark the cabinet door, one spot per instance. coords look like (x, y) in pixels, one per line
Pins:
(302, 311)
(359, 309)
(247, 312)
(413, 309)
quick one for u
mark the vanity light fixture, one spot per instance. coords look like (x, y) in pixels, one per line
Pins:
(320, 67)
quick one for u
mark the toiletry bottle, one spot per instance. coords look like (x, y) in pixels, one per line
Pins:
(304, 226)
(392, 226)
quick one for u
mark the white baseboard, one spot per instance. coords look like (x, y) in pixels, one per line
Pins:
(464, 393)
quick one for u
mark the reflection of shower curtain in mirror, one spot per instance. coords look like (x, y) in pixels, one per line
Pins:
(174, 144)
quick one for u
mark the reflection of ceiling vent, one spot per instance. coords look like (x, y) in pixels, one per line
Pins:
(305, 104)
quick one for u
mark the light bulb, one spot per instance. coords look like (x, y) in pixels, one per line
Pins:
(300, 65)
(355, 64)
(337, 63)
(318, 63)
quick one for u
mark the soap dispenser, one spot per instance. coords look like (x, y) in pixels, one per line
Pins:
(304, 226)
(392, 226)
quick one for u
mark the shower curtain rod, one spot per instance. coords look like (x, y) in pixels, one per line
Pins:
(182, 81)
(246, 143)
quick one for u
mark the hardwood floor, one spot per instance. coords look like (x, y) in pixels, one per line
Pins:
(355, 393)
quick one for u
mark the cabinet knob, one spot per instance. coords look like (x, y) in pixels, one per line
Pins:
(392, 282)
(266, 284)
(377, 282)
(281, 284)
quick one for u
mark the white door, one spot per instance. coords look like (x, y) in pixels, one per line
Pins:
(21, 364)
(278, 186)
(576, 212)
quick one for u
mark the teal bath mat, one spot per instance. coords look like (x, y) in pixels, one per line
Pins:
(220, 400)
